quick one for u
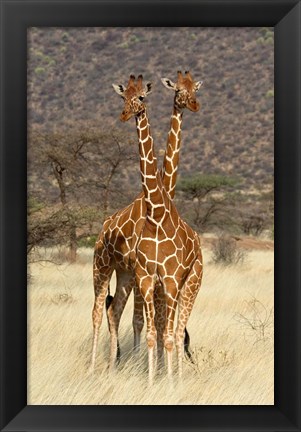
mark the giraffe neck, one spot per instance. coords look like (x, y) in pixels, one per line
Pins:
(171, 156)
(151, 179)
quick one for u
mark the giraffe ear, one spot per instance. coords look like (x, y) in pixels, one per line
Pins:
(168, 84)
(119, 89)
(148, 88)
(198, 85)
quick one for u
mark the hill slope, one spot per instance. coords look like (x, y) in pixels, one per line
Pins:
(70, 72)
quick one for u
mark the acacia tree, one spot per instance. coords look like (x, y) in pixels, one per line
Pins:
(258, 214)
(113, 154)
(202, 192)
(82, 164)
(44, 225)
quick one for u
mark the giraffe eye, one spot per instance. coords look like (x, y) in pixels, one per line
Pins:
(141, 98)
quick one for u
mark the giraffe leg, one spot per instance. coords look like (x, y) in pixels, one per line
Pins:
(102, 276)
(123, 289)
(146, 287)
(160, 321)
(186, 301)
(171, 304)
(138, 319)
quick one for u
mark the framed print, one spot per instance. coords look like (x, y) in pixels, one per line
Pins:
(68, 164)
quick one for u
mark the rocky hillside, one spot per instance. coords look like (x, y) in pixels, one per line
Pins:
(70, 72)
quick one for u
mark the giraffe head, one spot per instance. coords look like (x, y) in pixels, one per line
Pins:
(185, 89)
(133, 96)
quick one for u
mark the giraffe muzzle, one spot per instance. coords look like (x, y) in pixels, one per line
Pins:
(193, 106)
(125, 115)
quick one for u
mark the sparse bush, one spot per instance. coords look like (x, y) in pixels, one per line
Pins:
(62, 298)
(226, 252)
(256, 319)
(252, 224)
(60, 255)
(212, 360)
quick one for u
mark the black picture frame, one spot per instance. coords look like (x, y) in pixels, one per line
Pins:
(16, 17)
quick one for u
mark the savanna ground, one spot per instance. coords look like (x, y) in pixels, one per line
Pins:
(231, 331)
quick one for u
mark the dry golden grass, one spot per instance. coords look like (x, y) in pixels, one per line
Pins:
(231, 330)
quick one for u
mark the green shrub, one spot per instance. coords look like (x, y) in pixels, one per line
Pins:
(33, 205)
(40, 70)
(65, 37)
(124, 45)
(269, 94)
(88, 242)
(267, 36)
(39, 54)
(134, 38)
(260, 40)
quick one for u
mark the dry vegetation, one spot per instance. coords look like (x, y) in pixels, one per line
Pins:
(231, 330)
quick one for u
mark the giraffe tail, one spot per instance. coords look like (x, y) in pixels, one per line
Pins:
(186, 347)
(109, 300)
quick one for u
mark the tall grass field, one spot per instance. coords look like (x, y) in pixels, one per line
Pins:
(231, 333)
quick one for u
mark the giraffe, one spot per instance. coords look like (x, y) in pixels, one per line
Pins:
(185, 89)
(115, 248)
(185, 97)
(167, 250)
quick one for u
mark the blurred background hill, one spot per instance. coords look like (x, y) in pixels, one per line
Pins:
(70, 76)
